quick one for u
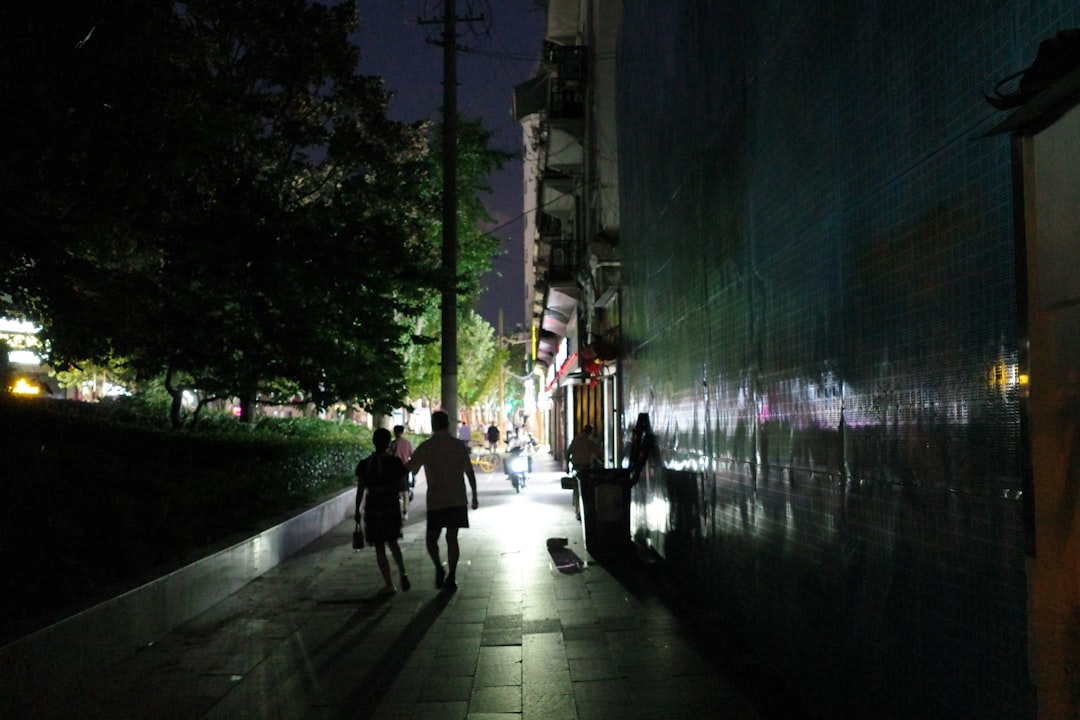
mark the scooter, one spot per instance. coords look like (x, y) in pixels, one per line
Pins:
(518, 465)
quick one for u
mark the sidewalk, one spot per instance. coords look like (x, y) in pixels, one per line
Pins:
(520, 638)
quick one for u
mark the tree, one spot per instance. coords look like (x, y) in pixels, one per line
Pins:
(478, 369)
(76, 162)
(421, 367)
(476, 255)
(209, 192)
(478, 363)
(477, 160)
(233, 207)
(97, 381)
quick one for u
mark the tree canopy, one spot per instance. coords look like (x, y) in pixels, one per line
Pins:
(478, 362)
(212, 192)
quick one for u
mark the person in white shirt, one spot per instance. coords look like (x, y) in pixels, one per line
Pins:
(445, 461)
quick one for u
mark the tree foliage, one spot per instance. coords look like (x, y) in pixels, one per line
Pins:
(210, 190)
(479, 359)
(476, 161)
(479, 362)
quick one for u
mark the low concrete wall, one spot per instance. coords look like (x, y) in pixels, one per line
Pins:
(69, 653)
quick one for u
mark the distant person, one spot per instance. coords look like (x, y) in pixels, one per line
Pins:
(464, 432)
(383, 491)
(401, 448)
(446, 464)
(493, 438)
(584, 453)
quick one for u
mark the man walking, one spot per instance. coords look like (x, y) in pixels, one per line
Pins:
(445, 461)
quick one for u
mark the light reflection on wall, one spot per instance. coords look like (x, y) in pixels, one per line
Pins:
(819, 318)
(657, 512)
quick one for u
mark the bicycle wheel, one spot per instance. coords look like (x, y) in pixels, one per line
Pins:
(487, 463)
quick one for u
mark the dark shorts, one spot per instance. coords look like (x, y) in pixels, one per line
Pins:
(453, 517)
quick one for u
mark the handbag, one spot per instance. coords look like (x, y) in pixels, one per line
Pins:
(358, 537)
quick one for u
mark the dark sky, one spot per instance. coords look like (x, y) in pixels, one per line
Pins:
(504, 48)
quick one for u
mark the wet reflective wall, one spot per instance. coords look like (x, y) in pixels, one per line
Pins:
(819, 315)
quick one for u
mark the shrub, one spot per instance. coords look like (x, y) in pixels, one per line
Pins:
(97, 494)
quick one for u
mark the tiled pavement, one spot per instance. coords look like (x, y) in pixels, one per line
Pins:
(519, 639)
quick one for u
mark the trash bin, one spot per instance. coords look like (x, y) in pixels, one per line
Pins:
(605, 511)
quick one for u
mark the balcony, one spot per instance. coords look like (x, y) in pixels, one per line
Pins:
(561, 265)
(566, 100)
(558, 91)
(564, 153)
(566, 61)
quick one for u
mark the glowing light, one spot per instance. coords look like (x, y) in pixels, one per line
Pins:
(22, 387)
(657, 513)
(23, 357)
(10, 325)
(1003, 376)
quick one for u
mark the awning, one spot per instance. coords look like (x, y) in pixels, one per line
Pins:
(570, 365)
(579, 368)
(560, 310)
(531, 97)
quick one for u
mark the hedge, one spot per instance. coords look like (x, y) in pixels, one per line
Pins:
(89, 502)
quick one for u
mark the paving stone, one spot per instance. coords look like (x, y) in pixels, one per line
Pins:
(314, 639)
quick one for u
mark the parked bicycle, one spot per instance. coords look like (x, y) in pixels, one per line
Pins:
(486, 462)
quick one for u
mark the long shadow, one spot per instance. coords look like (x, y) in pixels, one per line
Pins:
(645, 575)
(373, 685)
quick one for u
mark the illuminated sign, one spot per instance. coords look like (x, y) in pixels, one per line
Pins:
(22, 387)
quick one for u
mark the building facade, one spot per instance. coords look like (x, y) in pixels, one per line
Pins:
(846, 300)
(567, 113)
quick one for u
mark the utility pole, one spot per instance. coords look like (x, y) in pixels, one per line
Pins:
(500, 420)
(449, 358)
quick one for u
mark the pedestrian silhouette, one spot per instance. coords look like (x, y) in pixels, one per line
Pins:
(382, 497)
(401, 448)
(445, 461)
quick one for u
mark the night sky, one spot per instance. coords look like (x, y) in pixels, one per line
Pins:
(504, 50)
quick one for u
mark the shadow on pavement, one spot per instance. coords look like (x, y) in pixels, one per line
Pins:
(371, 687)
(645, 576)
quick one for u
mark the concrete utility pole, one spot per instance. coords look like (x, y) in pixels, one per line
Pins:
(449, 356)
(449, 217)
(500, 421)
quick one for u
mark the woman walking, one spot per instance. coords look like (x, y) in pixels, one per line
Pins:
(383, 491)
